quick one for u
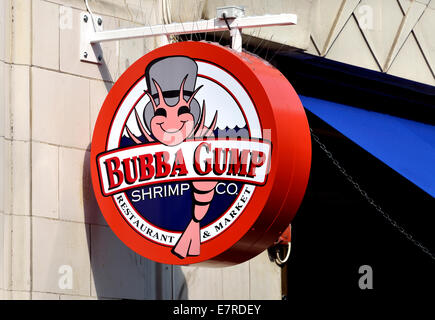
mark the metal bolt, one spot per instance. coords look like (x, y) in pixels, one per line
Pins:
(85, 54)
(85, 18)
(100, 21)
(100, 57)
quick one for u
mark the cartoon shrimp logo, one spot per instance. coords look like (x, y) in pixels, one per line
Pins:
(173, 115)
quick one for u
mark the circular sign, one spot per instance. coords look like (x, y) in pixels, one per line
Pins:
(200, 154)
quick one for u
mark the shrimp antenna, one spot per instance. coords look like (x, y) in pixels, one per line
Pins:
(212, 126)
(182, 88)
(132, 136)
(141, 127)
(193, 94)
(151, 99)
(200, 124)
(159, 90)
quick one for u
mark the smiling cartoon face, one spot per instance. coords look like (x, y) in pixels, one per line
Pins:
(171, 125)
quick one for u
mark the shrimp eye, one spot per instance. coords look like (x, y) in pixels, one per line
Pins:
(160, 112)
(183, 110)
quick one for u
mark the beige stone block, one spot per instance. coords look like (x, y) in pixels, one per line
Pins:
(236, 282)
(5, 118)
(6, 252)
(76, 195)
(406, 4)
(2, 174)
(60, 116)
(5, 21)
(5, 295)
(381, 29)
(143, 12)
(423, 32)
(3, 108)
(70, 59)
(45, 29)
(98, 92)
(118, 272)
(133, 10)
(410, 63)
(21, 31)
(414, 11)
(324, 13)
(60, 254)
(198, 283)
(19, 295)
(2, 252)
(6, 177)
(345, 12)
(45, 191)
(298, 35)
(20, 188)
(351, 48)
(20, 102)
(265, 278)
(111, 8)
(21, 240)
(15, 252)
(44, 296)
(73, 297)
(190, 10)
(132, 49)
(71, 204)
(77, 4)
(312, 49)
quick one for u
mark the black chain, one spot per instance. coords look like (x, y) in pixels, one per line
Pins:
(370, 200)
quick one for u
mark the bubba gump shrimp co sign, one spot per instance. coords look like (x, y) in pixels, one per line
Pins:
(200, 154)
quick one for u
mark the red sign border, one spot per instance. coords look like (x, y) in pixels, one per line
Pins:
(269, 89)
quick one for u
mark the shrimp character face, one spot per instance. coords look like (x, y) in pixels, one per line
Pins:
(171, 125)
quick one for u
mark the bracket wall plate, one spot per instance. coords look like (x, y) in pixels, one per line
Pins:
(90, 52)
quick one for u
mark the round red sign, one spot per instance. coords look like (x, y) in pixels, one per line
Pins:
(200, 154)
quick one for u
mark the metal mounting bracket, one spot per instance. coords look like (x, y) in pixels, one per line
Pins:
(230, 12)
(90, 38)
(90, 52)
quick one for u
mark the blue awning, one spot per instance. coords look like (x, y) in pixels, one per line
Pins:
(406, 146)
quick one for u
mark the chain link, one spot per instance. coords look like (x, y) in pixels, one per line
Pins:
(370, 200)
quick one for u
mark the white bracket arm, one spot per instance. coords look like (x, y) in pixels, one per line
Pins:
(89, 37)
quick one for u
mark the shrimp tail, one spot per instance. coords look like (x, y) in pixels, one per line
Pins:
(190, 242)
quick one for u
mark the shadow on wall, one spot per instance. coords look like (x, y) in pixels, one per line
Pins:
(117, 271)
